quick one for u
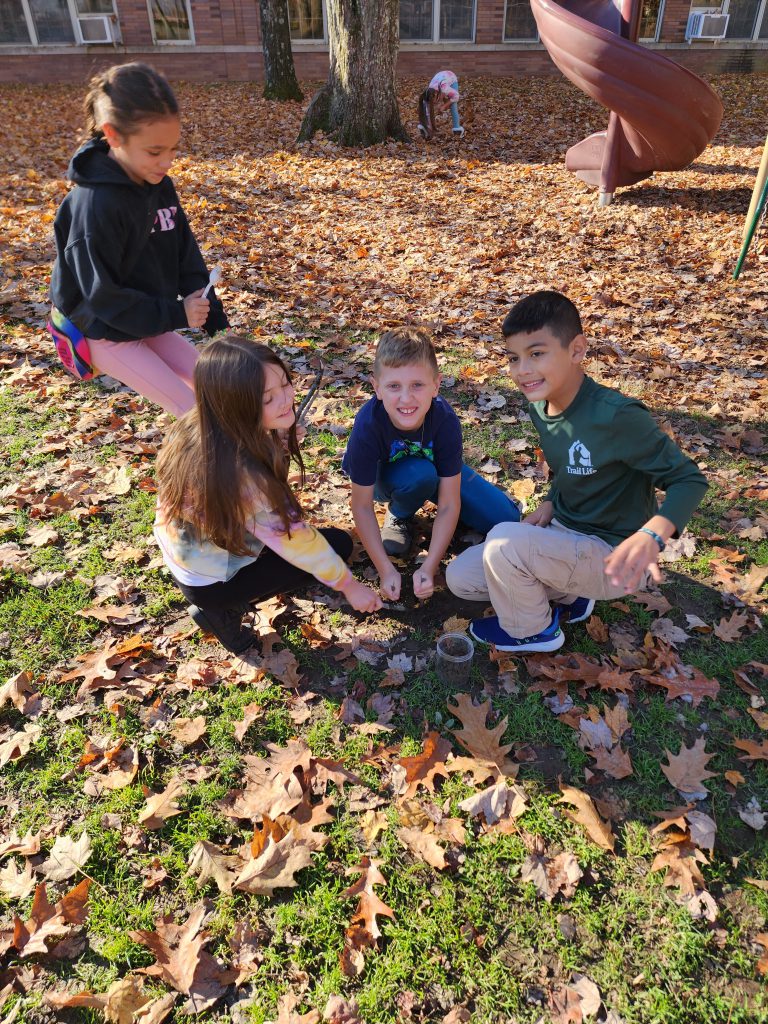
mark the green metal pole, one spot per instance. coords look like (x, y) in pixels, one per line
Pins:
(751, 232)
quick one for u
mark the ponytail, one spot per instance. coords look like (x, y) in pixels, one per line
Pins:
(127, 96)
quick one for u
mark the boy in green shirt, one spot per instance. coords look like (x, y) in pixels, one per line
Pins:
(599, 532)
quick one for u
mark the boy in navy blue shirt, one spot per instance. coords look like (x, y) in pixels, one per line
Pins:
(405, 449)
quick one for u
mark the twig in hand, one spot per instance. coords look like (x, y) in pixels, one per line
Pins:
(308, 399)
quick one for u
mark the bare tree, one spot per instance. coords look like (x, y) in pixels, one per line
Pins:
(279, 72)
(358, 104)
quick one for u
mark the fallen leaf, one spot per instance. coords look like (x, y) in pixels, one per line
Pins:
(753, 751)
(275, 866)
(161, 806)
(188, 730)
(730, 629)
(15, 882)
(481, 742)
(687, 770)
(207, 862)
(586, 814)
(66, 858)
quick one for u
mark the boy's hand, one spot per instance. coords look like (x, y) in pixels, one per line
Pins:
(362, 598)
(627, 564)
(542, 516)
(423, 583)
(196, 308)
(390, 583)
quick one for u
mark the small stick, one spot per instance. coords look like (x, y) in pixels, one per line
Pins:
(308, 399)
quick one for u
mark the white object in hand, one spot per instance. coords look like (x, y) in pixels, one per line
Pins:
(214, 278)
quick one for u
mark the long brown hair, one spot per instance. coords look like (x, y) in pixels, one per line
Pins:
(219, 452)
(427, 110)
(127, 96)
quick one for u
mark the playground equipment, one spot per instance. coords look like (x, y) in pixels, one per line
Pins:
(756, 210)
(662, 115)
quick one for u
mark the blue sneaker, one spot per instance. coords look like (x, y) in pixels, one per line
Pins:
(488, 631)
(579, 610)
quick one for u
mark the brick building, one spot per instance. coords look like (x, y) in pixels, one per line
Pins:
(65, 40)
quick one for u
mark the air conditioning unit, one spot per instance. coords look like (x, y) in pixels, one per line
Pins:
(95, 28)
(706, 24)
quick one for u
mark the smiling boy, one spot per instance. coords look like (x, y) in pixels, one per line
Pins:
(599, 532)
(405, 449)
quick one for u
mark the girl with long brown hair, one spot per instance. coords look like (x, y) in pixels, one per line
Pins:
(230, 528)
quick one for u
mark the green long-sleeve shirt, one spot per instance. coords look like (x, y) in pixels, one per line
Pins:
(608, 457)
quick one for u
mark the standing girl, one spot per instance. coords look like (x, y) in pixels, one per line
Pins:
(229, 526)
(441, 93)
(128, 272)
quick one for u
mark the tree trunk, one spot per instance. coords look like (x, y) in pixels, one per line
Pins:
(279, 73)
(358, 104)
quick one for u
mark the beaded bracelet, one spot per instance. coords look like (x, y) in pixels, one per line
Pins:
(656, 537)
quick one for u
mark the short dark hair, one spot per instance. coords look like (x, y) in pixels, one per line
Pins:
(544, 309)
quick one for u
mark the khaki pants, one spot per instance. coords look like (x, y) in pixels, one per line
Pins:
(521, 568)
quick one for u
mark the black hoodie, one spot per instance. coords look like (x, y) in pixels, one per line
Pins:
(124, 254)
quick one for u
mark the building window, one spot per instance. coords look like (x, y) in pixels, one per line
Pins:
(13, 22)
(748, 19)
(437, 20)
(650, 20)
(171, 21)
(307, 19)
(519, 22)
(57, 22)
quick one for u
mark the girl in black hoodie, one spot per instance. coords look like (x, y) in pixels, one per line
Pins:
(128, 271)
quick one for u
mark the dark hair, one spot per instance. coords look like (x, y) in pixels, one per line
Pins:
(403, 347)
(127, 96)
(427, 110)
(544, 309)
(219, 453)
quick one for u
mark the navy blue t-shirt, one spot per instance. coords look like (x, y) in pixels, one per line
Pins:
(376, 439)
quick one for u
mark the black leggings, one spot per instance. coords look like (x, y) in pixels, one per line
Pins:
(268, 575)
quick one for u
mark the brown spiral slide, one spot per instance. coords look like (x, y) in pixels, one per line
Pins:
(662, 115)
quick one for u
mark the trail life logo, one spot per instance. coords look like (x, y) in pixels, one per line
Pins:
(580, 460)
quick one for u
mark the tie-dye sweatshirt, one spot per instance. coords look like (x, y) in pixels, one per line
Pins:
(198, 562)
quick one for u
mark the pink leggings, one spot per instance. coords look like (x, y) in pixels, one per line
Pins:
(159, 368)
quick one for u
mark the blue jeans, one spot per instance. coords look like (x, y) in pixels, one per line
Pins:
(409, 482)
(455, 116)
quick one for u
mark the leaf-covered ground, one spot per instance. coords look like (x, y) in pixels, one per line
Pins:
(328, 831)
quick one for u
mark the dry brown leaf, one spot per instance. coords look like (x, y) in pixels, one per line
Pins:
(753, 751)
(497, 803)
(16, 882)
(188, 730)
(760, 717)
(586, 815)
(762, 963)
(369, 906)
(615, 762)
(49, 922)
(423, 846)
(275, 866)
(475, 737)
(119, 1003)
(687, 770)
(552, 875)
(20, 692)
(157, 1011)
(66, 858)
(284, 667)
(421, 769)
(161, 806)
(27, 845)
(207, 861)
(681, 859)
(286, 1011)
(251, 712)
(182, 962)
(15, 745)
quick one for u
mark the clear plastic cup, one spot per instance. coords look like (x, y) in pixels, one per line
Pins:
(453, 662)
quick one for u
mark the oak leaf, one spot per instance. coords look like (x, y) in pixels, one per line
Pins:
(586, 814)
(496, 803)
(207, 861)
(423, 846)
(15, 745)
(762, 963)
(753, 751)
(730, 629)
(687, 770)
(122, 1000)
(615, 762)
(48, 922)
(475, 737)
(188, 730)
(161, 806)
(286, 1011)
(369, 906)
(182, 962)
(275, 866)
(251, 712)
(681, 859)
(421, 769)
(16, 882)
(552, 875)
(20, 692)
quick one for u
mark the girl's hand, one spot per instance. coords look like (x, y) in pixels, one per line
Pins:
(362, 598)
(542, 516)
(423, 583)
(628, 563)
(196, 308)
(390, 583)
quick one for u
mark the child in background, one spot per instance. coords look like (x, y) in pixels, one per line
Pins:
(228, 524)
(124, 248)
(406, 448)
(599, 532)
(441, 93)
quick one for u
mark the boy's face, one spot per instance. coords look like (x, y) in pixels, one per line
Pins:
(544, 369)
(406, 393)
